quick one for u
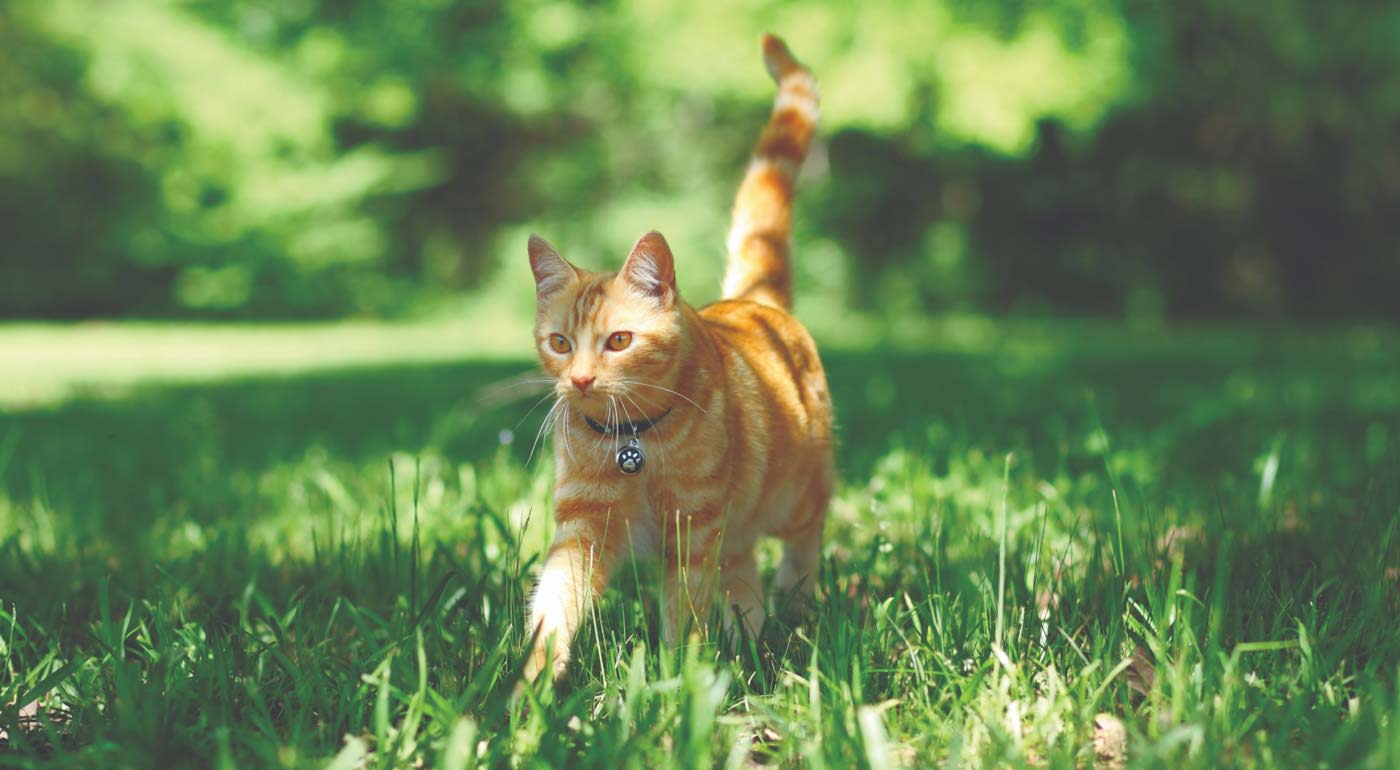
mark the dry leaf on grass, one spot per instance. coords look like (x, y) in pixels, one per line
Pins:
(904, 755)
(32, 719)
(1046, 602)
(1110, 742)
(1177, 539)
(26, 716)
(1141, 674)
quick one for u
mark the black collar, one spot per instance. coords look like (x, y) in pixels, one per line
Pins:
(626, 428)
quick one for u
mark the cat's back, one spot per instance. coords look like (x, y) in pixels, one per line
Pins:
(768, 349)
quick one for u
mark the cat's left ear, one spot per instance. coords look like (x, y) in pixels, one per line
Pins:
(552, 272)
(651, 270)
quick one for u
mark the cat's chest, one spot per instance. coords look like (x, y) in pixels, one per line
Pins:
(660, 515)
(644, 537)
(665, 524)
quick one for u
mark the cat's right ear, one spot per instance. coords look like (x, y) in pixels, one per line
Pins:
(552, 272)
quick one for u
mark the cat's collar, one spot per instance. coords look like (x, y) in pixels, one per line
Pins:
(632, 428)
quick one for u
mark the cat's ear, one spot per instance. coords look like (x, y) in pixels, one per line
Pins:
(650, 269)
(552, 272)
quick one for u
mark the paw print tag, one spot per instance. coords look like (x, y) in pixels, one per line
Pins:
(630, 458)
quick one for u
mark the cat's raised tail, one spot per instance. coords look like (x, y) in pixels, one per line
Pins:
(759, 267)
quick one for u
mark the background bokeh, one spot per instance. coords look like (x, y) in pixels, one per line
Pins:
(1104, 292)
(332, 158)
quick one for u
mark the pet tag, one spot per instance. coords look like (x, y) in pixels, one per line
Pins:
(630, 458)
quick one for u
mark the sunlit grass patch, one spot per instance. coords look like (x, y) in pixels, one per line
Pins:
(1039, 533)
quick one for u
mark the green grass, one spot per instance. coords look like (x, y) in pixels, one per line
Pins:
(1036, 525)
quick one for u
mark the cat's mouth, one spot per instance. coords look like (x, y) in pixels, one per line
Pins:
(594, 400)
(604, 406)
(596, 408)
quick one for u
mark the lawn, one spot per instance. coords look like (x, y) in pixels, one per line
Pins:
(1044, 532)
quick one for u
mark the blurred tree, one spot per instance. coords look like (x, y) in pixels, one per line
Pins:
(1255, 174)
(72, 190)
(325, 157)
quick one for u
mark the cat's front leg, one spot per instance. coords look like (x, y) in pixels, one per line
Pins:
(585, 550)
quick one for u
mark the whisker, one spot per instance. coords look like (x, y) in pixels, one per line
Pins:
(507, 391)
(602, 437)
(611, 419)
(623, 435)
(660, 445)
(626, 415)
(532, 411)
(557, 402)
(631, 425)
(564, 431)
(623, 412)
(667, 390)
(644, 400)
(601, 444)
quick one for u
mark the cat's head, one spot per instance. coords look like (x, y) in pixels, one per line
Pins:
(608, 339)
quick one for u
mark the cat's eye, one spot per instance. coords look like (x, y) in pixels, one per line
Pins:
(559, 343)
(619, 340)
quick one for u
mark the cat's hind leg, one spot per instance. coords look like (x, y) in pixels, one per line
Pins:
(685, 599)
(797, 573)
(743, 594)
(690, 597)
(796, 581)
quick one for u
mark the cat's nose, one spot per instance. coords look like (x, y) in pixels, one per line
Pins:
(582, 383)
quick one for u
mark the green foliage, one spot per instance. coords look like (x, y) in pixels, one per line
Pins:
(1196, 533)
(72, 187)
(255, 159)
(1250, 171)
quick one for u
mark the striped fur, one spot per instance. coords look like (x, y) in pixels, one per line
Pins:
(760, 237)
(745, 448)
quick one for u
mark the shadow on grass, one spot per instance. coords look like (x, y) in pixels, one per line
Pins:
(174, 448)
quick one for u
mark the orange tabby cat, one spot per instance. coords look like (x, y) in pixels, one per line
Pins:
(681, 433)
